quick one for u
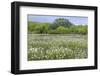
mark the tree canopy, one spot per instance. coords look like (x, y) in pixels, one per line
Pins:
(60, 22)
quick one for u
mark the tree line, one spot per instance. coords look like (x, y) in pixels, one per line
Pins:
(59, 26)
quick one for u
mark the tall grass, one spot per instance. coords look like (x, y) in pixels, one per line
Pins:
(51, 46)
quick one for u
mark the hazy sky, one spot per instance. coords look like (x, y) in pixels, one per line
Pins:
(43, 18)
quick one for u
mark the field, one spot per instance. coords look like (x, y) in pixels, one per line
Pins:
(57, 46)
(57, 37)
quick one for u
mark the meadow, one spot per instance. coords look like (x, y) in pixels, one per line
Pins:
(50, 47)
(60, 39)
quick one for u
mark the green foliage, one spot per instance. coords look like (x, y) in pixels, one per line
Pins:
(60, 26)
(60, 22)
(36, 27)
(79, 29)
(31, 26)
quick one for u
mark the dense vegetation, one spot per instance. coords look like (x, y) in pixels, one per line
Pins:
(49, 47)
(59, 26)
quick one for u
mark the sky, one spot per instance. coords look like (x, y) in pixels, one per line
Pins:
(46, 18)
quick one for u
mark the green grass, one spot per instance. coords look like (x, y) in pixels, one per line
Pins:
(55, 46)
